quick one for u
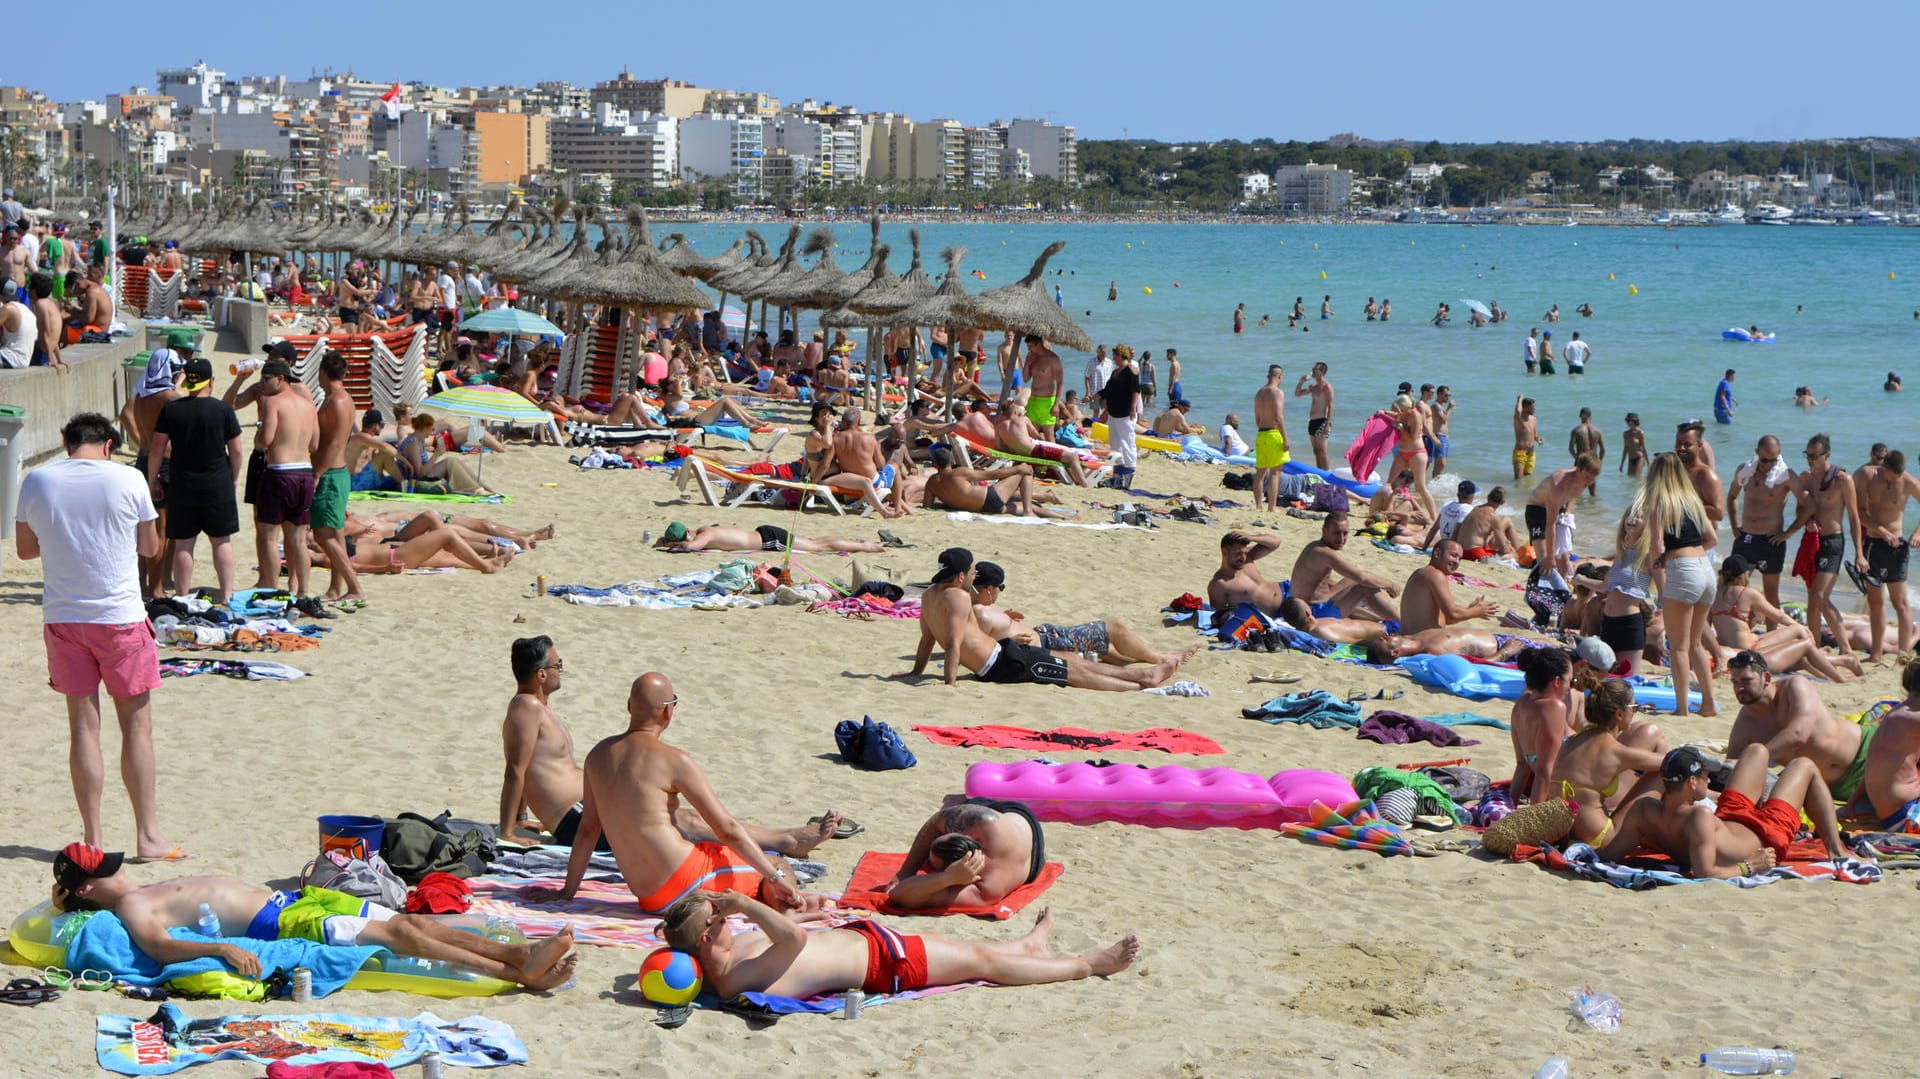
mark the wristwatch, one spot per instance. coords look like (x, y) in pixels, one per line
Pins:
(777, 874)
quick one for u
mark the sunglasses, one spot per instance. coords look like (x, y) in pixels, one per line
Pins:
(556, 665)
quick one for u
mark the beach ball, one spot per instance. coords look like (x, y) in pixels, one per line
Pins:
(1148, 289)
(1176, 284)
(669, 977)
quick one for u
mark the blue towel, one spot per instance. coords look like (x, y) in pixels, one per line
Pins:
(1316, 708)
(1468, 719)
(103, 944)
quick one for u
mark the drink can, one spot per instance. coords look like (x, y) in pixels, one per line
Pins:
(856, 1001)
(430, 1066)
(540, 585)
(302, 985)
(647, 537)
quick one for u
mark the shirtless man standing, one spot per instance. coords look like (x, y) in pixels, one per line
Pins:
(1321, 574)
(1892, 780)
(1690, 446)
(977, 491)
(334, 482)
(1883, 517)
(1428, 601)
(1044, 382)
(1550, 500)
(853, 458)
(1439, 417)
(1020, 433)
(46, 315)
(1787, 716)
(1319, 411)
(947, 620)
(1828, 512)
(631, 792)
(543, 787)
(1526, 436)
(1761, 524)
(1588, 439)
(1270, 444)
(279, 479)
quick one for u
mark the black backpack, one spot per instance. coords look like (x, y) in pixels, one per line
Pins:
(415, 846)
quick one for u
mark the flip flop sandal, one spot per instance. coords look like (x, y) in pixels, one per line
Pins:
(672, 1018)
(1853, 574)
(888, 539)
(58, 977)
(93, 981)
(26, 993)
(847, 830)
(1390, 695)
(1276, 679)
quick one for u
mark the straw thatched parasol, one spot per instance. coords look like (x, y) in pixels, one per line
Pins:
(941, 308)
(855, 313)
(637, 281)
(1025, 308)
(581, 258)
(678, 255)
(815, 288)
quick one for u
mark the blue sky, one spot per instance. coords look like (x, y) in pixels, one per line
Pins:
(1459, 72)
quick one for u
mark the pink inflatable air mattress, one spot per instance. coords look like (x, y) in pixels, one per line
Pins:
(1168, 796)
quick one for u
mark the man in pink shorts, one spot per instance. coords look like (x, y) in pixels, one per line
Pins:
(89, 519)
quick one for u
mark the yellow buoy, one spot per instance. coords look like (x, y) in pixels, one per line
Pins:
(1410, 243)
(1283, 243)
(1323, 275)
(1148, 289)
(1129, 247)
(1316, 247)
(1889, 275)
(1609, 277)
(1633, 290)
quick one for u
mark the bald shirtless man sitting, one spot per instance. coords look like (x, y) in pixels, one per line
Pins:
(632, 786)
(971, 852)
(1107, 639)
(1892, 781)
(680, 539)
(785, 959)
(544, 787)
(1788, 718)
(1429, 603)
(88, 878)
(1323, 575)
(947, 620)
(1746, 832)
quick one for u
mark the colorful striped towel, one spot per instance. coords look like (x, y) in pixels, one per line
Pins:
(1355, 826)
(602, 912)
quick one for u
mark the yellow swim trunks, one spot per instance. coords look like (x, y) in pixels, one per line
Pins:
(1270, 449)
(1524, 458)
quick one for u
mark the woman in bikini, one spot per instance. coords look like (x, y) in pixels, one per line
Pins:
(1539, 720)
(1410, 454)
(1610, 752)
(419, 458)
(679, 411)
(440, 548)
(1787, 644)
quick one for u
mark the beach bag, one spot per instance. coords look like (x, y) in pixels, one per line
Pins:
(1328, 498)
(1243, 620)
(415, 846)
(1237, 481)
(872, 747)
(366, 878)
(1545, 599)
(886, 590)
(1130, 513)
(1464, 785)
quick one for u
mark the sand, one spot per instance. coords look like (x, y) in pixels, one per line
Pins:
(1262, 955)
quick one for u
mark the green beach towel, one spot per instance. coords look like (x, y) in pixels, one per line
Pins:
(421, 496)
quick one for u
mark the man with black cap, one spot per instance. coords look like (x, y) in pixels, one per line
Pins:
(88, 878)
(279, 480)
(1108, 640)
(1746, 832)
(947, 619)
(197, 439)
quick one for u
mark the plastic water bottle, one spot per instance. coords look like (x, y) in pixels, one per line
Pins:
(1747, 1060)
(1554, 1068)
(209, 923)
(1601, 1011)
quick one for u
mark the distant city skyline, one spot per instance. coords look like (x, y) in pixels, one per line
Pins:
(1501, 71)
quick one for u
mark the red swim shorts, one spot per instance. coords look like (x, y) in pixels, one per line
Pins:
(708, 867)
(1776, 822)
(895, 962)
(81, 655)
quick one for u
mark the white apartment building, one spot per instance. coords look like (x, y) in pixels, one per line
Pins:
(729, 147)
(640, 148)
(196, 87)
(1052, 149)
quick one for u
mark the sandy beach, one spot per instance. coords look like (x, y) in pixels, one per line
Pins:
(1262, 955)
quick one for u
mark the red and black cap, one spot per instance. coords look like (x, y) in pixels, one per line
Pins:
(78, 863)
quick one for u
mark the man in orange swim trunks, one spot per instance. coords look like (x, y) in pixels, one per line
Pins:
(633, 784)
(1746, 833)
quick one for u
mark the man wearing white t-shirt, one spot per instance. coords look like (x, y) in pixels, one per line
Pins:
(1576, 354)
(1099, 369)
(89, 519)
(1451, 515)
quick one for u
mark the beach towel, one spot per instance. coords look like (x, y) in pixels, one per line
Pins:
(601, 913)
(423, 496)
(549, 861)
(964, 516)
(870, 606)
(103, 943)
(1806, 860)
(249, 670)
(995, 736)
(1352, 827)
(169, 1040)
(1398, 728)
(1315, 707)
(867, 889)
(1371, 444)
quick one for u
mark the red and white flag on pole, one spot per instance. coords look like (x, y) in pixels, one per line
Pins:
(391, 99)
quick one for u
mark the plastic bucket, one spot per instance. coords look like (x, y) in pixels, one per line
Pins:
(357, 837)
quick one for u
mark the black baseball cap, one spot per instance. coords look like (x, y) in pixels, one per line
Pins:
(199, 372)
(275, 367)
(78, 863)
(1683, 764)
(989, 575)
(954, 561)
(282, 350)
(1466, 490)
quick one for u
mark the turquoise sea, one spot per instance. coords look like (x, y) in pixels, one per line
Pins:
(1660, 297)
